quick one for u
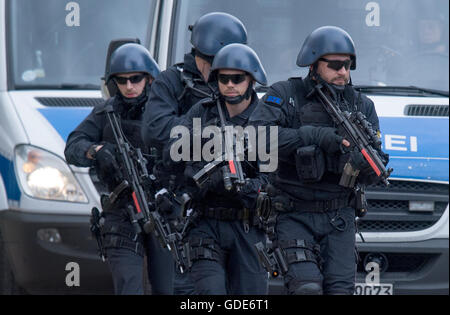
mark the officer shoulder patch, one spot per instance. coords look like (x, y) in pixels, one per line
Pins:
(274, 100)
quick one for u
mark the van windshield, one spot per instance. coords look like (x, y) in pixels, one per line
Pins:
(398, 42)
(63, 44)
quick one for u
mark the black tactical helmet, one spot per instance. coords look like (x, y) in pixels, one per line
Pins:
(215, 30)
(239, 57)
(132, 58)
(326, 40)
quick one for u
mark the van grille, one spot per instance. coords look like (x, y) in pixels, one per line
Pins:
(70, 101)
(402, 262)
(427, 110)
(388, 207)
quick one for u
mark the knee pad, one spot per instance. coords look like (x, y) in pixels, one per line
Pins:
(305, 288)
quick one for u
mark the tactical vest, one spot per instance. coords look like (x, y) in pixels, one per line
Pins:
(309, 111)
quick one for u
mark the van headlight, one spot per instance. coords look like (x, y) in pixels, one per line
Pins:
(44, 175)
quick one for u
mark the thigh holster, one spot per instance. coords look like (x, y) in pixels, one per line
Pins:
(301, 251)
(201, 249)
(116, 236)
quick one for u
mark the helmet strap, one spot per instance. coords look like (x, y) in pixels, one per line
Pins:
(237, 99)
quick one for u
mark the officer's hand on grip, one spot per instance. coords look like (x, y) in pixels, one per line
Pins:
(166, 207)
(367, 175)
(106, 163)
(215, 181)
(357, 160)
(329, 141)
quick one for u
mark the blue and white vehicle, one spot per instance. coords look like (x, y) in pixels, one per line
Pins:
(52, 55)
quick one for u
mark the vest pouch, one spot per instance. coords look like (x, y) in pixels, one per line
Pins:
(310, 163)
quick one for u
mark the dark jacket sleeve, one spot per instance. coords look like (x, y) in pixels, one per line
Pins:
(162, 109)
(274, 109)
(88, 132)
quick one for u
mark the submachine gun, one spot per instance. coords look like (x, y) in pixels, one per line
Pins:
(144, 215)
(231, 166)
(359, 131)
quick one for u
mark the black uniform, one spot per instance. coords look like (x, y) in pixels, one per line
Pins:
(315, 224)
(125, 250)
(173, 93)
(171, 97)
(222, 239)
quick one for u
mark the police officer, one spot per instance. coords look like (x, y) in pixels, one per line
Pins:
(221, 240)
(315, 223)
(91, 144)
(182, 85)
(179, 87)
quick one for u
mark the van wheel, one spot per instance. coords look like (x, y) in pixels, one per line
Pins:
(8, 284)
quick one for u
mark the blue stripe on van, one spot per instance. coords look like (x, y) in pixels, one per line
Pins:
(63, 119)
(9, 179)
(418, 147)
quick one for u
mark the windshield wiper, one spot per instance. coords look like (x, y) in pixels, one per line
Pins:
(74, 86)
(401, 90)
(62, 86)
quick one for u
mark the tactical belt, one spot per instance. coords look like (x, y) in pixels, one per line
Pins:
(288, 205)
(227, 214)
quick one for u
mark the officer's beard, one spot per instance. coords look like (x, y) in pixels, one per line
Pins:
(239, 98)
(335, 90)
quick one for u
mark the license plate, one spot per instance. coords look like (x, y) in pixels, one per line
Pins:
(374, 289)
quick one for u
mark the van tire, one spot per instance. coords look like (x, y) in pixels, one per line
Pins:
(8, 285)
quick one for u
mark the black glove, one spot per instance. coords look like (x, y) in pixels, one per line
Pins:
(164, 204)
(367, 176)
(215, 181)
(108, 169)
(357, 160)
(328, 139)
(249, 192)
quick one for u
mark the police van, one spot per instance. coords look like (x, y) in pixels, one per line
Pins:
(52, 54)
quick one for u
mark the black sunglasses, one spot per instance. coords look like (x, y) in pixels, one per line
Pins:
(134, 79)
(338, 64)
(235, 78)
